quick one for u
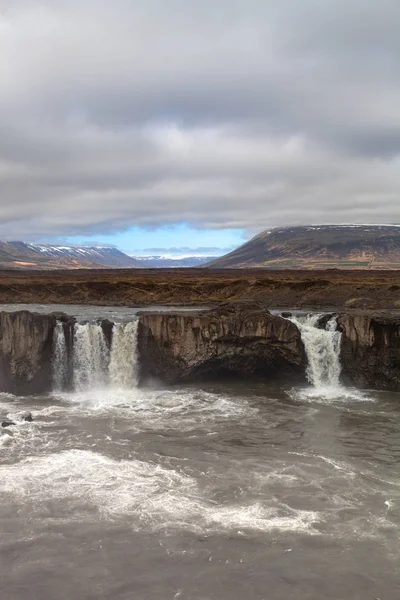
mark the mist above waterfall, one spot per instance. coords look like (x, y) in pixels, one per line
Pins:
(322, 346)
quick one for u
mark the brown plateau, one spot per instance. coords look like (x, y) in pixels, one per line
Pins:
(376, 290)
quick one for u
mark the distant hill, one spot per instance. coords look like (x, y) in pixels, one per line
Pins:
(167, 262)
(318, 247)
(21, 255)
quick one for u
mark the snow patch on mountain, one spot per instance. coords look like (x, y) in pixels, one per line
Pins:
(166, 261)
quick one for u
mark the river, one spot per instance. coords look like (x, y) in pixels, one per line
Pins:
(207, 492)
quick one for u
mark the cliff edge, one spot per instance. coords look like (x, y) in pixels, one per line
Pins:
(370, 350)
(26, 352)
(232, 340)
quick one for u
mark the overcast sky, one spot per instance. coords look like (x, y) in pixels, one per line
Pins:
(219, 115)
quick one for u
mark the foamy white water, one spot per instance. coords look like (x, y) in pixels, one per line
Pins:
(123, 368)
(91, 356)
(94, 365)
(153, 410)
(149, 495)
(60, 358)
(322, 347)
(219, 480)
(119, 492)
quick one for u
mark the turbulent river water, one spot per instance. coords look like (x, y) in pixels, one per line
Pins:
(218, 491)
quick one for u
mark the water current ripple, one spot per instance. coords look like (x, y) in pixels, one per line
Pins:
(216, 491)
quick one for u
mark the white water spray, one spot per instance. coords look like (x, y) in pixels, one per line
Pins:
(91, 357)
(94, 365)
(60, 364)
(123, 370)
(322, 347)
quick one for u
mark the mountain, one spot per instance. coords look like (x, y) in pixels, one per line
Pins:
(21, 255)
(318, 247)
(167, 262)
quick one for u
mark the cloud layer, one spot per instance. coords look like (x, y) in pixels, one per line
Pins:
(238, 114)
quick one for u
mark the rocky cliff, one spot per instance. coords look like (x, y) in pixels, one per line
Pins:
(229, 341)
(239, 340)
(371, 350)
(25, 352)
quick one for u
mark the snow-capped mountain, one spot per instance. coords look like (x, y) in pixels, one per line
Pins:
(169, 261)
(102, 255)
(24, 255)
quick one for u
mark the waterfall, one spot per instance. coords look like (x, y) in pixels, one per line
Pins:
(123, 370)
(322, 347)
(91, 356)
(60, 358)
(92, 363)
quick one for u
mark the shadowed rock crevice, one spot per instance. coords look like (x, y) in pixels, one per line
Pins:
(231, 341)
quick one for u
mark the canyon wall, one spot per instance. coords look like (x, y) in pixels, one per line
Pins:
(370, 351)
(25, 352)
(242, 340)
(229, 341)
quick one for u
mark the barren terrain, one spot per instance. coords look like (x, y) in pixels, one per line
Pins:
(287, 289)
(345, 247)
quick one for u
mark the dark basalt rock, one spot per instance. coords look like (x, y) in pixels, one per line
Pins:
(370, 350)
(61, 316)
(286, 315)
(27, 417)
(107, 327)
(25, 352)
(69, 328)
(323, 320)
(7, 423)
(231, 340)
(242, 340)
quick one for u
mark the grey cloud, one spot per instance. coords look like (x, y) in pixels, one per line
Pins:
(222, 114)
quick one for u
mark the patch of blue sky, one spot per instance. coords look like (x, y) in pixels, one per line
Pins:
(169, 239)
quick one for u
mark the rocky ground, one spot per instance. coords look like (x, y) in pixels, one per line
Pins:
(372, 290)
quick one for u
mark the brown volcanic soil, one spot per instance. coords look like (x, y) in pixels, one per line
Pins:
(131, 287)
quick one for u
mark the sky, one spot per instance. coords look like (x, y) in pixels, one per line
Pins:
(191, 126)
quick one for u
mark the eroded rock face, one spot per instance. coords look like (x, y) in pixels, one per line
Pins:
(25, 352)
(241, 341)
(370, 351)
(233, 340)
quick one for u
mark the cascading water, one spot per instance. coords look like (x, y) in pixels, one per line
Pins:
(91, 356)
(123, 368)
(322, 347)
(60, 358)
(94, 364)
